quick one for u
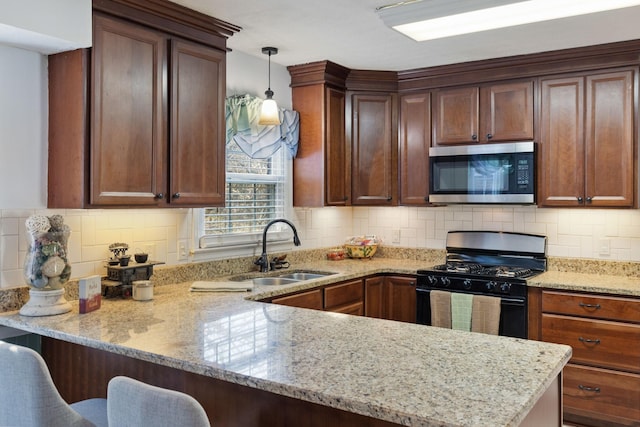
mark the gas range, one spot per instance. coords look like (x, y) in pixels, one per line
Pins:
(487, 262)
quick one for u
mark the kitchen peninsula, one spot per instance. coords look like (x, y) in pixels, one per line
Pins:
(253, 363)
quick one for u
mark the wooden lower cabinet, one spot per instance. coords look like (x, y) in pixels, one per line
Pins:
(602, 379)
(309, 299)
(347, 297)
(374, 294)
(595, 396)
(391, 297)
(383, 297)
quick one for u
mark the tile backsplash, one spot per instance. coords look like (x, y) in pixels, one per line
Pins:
(593, 234)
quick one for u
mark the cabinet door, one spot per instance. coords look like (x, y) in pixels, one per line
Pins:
(507, 111)
(413, 148)
(402, 302)
(197, 125)
(374, 297)
(561, 144)
(456, 116)
(337, 155)
(373, 165)
(128, 150)
(609, 140)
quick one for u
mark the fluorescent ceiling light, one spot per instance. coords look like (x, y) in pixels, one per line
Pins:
(434, 19)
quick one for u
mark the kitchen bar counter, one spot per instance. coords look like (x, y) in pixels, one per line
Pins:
(402, 373)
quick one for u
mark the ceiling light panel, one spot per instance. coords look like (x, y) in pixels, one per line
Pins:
(433, 19)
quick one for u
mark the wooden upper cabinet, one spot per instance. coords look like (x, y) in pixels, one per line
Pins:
(197, 161)
(413, 148)
(128, 131)
(587, 141)
(456, 116)
(373, 149)
(338, 154)
(493, 113)
(138, 119)
(322, 166)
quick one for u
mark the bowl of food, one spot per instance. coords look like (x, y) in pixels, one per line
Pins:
(361, 247)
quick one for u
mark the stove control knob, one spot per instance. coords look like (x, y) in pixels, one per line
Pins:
(505, 288)
(491, 286)
(432, 279)
(466, 284)
(445, 281)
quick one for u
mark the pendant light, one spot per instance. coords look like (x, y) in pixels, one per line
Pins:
(269, 112)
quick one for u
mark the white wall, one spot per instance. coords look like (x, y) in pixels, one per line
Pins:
(46, 26)
(23, 128)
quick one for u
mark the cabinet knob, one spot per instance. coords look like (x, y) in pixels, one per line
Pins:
(159, 196)
(389, 198)
(474, 136)
(589, 199)
(489, 136)
(175, 196)
(580, 199)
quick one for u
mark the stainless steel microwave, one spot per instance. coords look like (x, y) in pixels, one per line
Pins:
(483, 173)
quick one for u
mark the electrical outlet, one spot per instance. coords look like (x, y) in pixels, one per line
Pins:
(395, 236)
(183, 253)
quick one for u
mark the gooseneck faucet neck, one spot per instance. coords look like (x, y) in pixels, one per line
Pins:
(263, 261)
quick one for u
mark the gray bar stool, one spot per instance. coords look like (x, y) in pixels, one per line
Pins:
(29, 398)
(131, 403)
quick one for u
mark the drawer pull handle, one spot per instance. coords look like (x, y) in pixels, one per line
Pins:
(591, 389)
(594, 306)
(589, 340)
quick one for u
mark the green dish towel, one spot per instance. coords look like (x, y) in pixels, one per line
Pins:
(461, 305)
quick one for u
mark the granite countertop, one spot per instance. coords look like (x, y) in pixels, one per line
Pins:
(583, 282)
(404, 373)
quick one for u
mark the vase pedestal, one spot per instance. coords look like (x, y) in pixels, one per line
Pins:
(45, 303)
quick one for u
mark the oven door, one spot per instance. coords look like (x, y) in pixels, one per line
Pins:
(513, 313)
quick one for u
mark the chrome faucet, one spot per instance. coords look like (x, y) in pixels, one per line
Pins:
(263, 261)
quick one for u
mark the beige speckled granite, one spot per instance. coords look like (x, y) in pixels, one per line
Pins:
(608, 284)
(404, 373)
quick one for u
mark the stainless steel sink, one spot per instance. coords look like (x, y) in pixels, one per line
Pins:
(283, 278)
(304, 275)
(273, 281)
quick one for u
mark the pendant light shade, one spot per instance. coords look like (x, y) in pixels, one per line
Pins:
(269, 113)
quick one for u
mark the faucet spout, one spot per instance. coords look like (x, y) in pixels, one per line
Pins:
(263, 261)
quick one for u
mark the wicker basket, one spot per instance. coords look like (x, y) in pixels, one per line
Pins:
(360, 251)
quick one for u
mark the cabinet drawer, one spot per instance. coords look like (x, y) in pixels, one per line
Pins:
(343, 293)
(591, 305)
(309, 299)
(601, 394)
(595, 342)
(356, 309)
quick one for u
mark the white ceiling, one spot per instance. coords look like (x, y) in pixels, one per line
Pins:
(350, 33)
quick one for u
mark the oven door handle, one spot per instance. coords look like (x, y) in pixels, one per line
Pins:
(513, 301)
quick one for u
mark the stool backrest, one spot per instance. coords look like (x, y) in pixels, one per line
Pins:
(131, 403)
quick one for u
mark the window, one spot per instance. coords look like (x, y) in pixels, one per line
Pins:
(256, 192)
